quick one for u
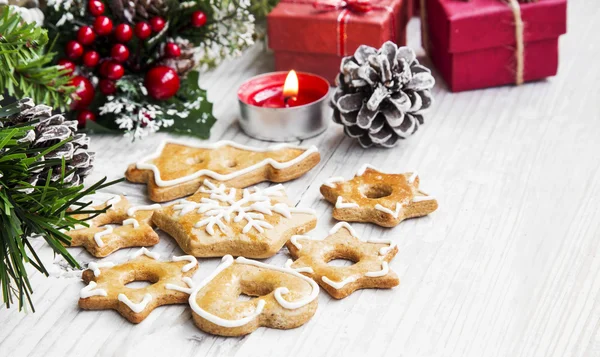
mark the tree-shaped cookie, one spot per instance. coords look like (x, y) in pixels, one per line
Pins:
(102, 237)
(221, 220)
(178, 169)
(171, 283)
(370, 257)
(377, 197)
(283, 298)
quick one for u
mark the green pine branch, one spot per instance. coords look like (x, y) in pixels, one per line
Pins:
(25, 69)
(32, 211)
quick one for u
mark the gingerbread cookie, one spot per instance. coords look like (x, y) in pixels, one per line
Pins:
(178, 169)
(220, 220)
(377, 197)
(370, 268)
(101, 238)
(284, 299)
(106, 289)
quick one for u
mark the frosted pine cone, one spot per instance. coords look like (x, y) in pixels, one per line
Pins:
(49, 130)
(381, 95)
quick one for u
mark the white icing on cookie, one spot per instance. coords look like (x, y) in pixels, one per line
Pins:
(382, 251)
(338, 284)
(187, 290)
(364, 168)
(137, 308)
(90, 290)
(283, 290)
(341, 225)
(131, 211)
(333, 180)
(288, 264)
(145, 252)
(95, 267)
(222, 206)
(225, 263)
(131, 221)
(145, 165)
(394, 213)
(384, 270)
(423, 198)
(228, 261)
(192, 262)
(341, 204)
(413, 176)
(294, 240)
(113, 201)
(98, 236)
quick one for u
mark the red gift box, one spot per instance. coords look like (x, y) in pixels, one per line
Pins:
(473, 44)
(314, 36)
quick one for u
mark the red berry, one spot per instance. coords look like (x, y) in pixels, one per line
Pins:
(114, 71)
(123, 33)
(143, 30)
(157, 23)
(96, 7)
(119, 52)
(103, 25)
(107, 87)
(198, 19)
(66, 64)
(74, 50)
(91, 59)
(162, 82)
(84, 92)
(86, 35)
(172, 50)
(84, 116)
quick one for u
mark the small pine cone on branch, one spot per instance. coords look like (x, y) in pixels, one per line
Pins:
(185, 62)
(381, 95)
(137, 10)
(49, 130)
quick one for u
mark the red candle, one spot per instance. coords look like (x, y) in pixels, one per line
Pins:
(283, 90)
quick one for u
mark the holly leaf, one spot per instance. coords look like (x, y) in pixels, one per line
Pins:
(191, 111)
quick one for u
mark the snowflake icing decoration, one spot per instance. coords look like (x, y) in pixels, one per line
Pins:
(222, 207)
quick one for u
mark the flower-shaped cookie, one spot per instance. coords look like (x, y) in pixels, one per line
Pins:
(377, 197)
(178, 169)
(220, 220)
(370, 268)
(283, 298)
(171, 283)
(101, 238)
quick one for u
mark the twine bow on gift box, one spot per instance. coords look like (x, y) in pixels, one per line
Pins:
(519, 41)
(346, 9)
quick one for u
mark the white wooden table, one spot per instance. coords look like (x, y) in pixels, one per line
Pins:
(508, 266)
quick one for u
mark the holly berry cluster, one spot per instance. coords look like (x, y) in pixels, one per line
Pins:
(104, 50)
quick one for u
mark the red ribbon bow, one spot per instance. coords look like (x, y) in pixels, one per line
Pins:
(347, 8)
(355, 6)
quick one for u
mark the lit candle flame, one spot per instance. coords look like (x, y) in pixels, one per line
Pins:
(290, 87)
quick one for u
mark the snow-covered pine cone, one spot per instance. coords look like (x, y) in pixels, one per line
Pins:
(381, 94)
(48, 131)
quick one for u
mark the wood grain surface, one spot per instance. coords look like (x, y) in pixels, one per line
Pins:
(508, 265)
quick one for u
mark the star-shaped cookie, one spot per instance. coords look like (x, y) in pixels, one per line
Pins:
(370, 257)
(178, 169)
(377, 197)
(220, 220)
(171, 283)
(102, 238)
